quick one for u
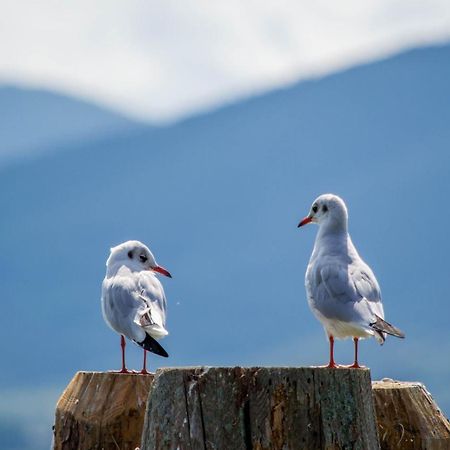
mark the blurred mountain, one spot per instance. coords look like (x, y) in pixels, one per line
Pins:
(36, 120)
(218, 198)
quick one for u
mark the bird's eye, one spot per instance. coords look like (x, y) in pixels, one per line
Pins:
(143, 258)
(315, 208)
(130, 254)
(324, 208)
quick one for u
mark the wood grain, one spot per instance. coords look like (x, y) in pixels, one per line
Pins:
(101, 411)
(408, 418)
(260, 408)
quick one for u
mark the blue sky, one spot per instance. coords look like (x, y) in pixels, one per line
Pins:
(160, 60)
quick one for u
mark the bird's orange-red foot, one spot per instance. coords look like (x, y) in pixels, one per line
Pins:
(331, 364)
(355, 364)
(144, 370)
(124, 368)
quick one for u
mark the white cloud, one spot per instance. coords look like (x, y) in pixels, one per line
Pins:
(163, 59)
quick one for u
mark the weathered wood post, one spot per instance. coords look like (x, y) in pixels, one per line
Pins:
(101, 411)
(247, 408)
(408, 418)
(260, 408)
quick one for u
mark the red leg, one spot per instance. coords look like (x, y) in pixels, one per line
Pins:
(332, 364)
(144, 366)
(123, 344)
(355, 365)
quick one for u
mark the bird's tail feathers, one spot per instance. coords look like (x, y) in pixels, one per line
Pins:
(151, 344)
(380, 326)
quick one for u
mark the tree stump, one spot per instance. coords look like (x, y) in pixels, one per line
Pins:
(408, 418)
(101, 411)
(260, 408)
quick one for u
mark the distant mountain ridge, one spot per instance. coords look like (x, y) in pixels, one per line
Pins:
(34, 119)
(218, 198)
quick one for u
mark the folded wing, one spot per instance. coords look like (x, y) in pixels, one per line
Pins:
(347, 293)
(151, 313)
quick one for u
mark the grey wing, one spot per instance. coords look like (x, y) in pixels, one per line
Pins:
(346, 293)
(120, 304)
(152, 315)
(366, 284)
(367, 287)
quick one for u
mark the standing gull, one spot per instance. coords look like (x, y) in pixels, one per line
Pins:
(342, 290)
(133, 300)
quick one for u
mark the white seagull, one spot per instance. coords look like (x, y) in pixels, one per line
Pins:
(133, 300)
(342, 290)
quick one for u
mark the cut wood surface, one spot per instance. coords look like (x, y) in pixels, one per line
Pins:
(408, 418)
(101, 411)
(260, 408)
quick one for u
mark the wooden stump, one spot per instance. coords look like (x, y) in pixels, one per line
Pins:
(260, 408)
(101, 411)
(408, 418)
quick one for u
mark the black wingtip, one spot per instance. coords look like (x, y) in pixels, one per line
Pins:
(381, 326)
(151, 345)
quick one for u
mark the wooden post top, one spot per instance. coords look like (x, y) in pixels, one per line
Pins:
(101, 410)
(389, 383)
(259, 408)
(408, 417)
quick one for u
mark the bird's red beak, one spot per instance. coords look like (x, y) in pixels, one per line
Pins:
(162, 271)
(305, 221)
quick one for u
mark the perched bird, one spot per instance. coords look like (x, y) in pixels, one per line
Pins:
(133, 300)
(342, 290)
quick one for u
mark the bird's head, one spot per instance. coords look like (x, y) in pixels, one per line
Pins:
(328, 210)
(136, 256)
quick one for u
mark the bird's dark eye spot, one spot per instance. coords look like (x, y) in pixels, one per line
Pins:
(324, 208)
(315, 208)
(130, 254)
(143, 258)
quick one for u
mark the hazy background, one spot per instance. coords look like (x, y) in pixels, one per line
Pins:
(206, 130)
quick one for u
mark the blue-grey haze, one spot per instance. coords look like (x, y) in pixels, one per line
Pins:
(32, 120)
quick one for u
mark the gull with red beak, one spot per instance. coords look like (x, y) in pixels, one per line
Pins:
(342, 290)
(133, 300)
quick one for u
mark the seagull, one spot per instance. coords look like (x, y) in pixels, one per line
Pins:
(133, 300)
(342, 290)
